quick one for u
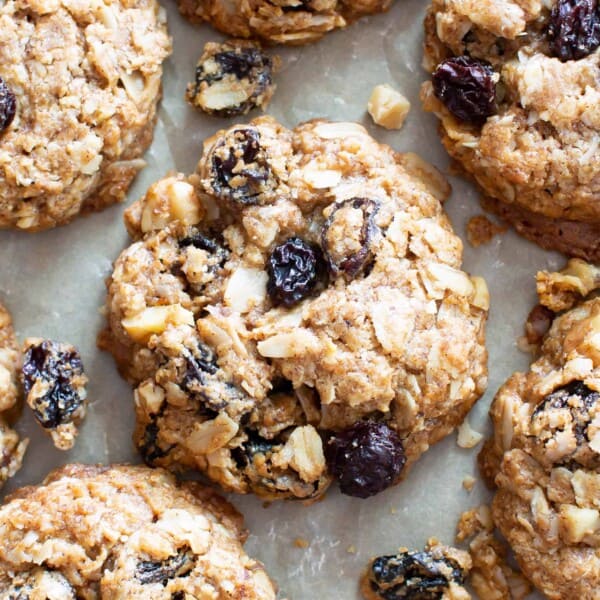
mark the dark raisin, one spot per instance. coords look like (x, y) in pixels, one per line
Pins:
(567, 414)
(340, 236)
(240, 168)
(413, 576)
(178, 565)
(294, 268)
(59, 368)
(8, 105)
(574, 29)
(466, 87)
(366, 458)
(149, 447)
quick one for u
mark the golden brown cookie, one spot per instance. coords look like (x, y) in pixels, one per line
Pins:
(79, 85)
(299, 300)
(515, 86)
(544, 458)
(124, 532)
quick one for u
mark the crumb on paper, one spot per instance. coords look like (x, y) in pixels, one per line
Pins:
(351, 549)
(467, 437)
(393, 510)
(388, 107)
(468, 482)
(491, 576)
(301, 543)
(480, 230)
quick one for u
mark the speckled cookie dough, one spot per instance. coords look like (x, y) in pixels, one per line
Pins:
(124, 532)
(232, 78)
(79, 86)
(280, 21)
(266, 304)
(54, 386)
(515, 86)
(12, 449)
(439, 572)
(544, 457)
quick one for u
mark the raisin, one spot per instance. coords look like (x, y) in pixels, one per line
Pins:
(240, 168)
(294, 268)
(238, 68)
(466, 87)
(149, 447)
(412, 576)
(538, 323)
(8, 105)
(340, 230)
(574, 29)
(178, 565)
(565, 416)
(58, 367)
(366, 458)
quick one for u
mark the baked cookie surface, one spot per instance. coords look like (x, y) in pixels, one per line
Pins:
(544, 457)
(80, 84)
(11, 448)
(264, 310)
(124, 532)
(516, 89)
(280, 21)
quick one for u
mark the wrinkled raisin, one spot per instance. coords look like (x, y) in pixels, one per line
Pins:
(246, 68)
(466, 87)
(178, 565)
(574, 29)
(59, 369)
(412, 576)
(346, 242)
(149, 447)
(294, 268)
(561, 422)
(8, 105)
(240, 168)
(366, 458)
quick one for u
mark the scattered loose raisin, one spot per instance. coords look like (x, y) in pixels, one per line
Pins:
(294, 268)
(8, 105)
(574, 29)
(366, 458)
(466, 87)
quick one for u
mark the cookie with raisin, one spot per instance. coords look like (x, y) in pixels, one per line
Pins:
(515, 87)
(544, 457)
(295, 312)
(124, 532)
(79, 87)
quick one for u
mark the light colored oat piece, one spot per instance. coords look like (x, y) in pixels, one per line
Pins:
(537, 159)
(388, 107)
(436, 572)
(245, 390)
(291, 22)
(544, 457)
(124, 532)
(54, 384)
(232, 78)
(12, 449)
(86, 76)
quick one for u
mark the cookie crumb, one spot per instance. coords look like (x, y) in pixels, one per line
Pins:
(467, 437)
(301, 543)
(388, 107)
(468, 482)
(480, 230)
(351, 549)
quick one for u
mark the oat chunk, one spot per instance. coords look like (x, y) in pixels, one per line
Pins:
(78, 95)
(283, 317)
(232, 78)
(544, 458)
(54, 385)
(124, 533)
(12, 449)
(515, 86)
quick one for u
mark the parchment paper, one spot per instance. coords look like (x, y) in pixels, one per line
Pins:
(53, 283)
